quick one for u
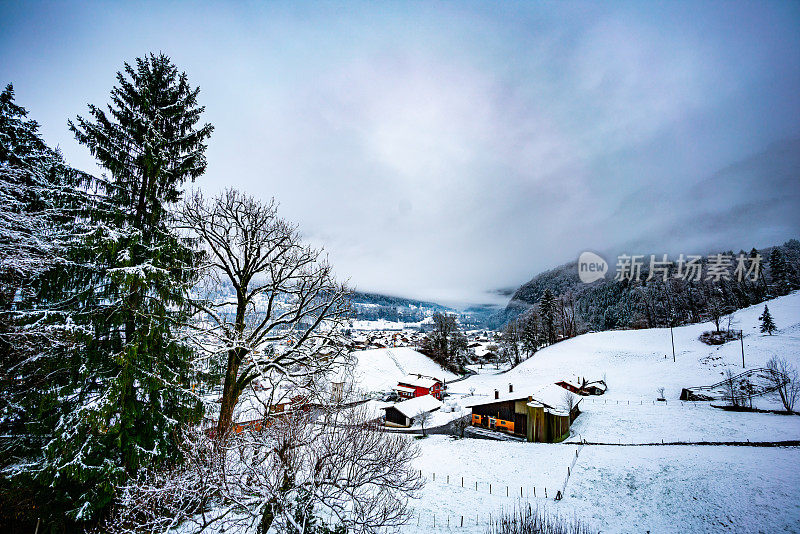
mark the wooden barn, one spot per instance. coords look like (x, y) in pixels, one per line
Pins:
(403, 413)
(541, 416)
(417, 385)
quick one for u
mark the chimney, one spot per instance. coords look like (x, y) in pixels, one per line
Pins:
(496, 394)
(511, 388)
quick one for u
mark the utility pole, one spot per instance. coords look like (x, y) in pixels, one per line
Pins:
(741, 340)
(671, 337)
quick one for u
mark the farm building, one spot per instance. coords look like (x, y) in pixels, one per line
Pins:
(584, 388)
(403, 413)
(417, 385)
(541, 416)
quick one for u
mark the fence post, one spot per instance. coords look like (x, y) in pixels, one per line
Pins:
(462, 482)
(462, 520)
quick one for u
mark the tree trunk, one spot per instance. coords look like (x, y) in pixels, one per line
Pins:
(230, 394)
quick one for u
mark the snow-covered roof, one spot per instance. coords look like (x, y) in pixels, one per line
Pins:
(553, 396)
(413, 407)
(403, 388)
(418, 381)
(550, 395)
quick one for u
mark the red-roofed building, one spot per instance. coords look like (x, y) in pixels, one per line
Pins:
(416, 385)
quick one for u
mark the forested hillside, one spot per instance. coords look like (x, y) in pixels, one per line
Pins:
(373, 306)
(609, 303)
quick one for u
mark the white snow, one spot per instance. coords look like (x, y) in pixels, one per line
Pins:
(413, 407)
(382, 369)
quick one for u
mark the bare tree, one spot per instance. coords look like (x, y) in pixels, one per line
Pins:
(784, 378)
(510, 343)
(423, 418)
(568, 401)
(717, 307)
(661, 394)
(461, 423)
(283, 322)
(288, 476)
(732, 391)
(446, 343)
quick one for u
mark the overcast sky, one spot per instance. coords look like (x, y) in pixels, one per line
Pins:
(444, 150)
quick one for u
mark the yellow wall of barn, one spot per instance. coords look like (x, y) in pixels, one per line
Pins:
(500, 424)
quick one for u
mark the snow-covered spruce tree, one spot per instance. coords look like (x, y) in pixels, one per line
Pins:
(531, 334)
(767, 323)
(547, 309)
(780, 275)
(42, 203)
(282, 322)
(130, 368)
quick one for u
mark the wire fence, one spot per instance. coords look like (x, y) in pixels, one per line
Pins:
(503, 489)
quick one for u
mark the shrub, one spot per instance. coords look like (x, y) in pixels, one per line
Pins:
(534, 521)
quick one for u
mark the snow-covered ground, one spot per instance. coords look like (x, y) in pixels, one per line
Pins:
(613, 489)
(381, 369)
(672, 488)
(676, 422)
(686, 489)
(634, 363)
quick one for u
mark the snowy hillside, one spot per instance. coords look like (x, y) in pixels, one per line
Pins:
(380, 369)
(634, 360)
(635, 487)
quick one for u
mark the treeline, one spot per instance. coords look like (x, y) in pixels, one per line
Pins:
(629, 303)
(373, 306)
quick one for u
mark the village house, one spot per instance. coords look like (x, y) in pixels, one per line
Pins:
(582, 387)
(417, 385)
(403, 413)
(541, 416)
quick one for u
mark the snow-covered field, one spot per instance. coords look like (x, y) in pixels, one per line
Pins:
(672, 488)
(612, 488)
(633, 360)
(380, 369)
(677, 422)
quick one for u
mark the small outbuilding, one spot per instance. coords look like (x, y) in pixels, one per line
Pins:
(403, 413)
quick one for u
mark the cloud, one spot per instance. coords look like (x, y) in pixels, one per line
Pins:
(441, 150)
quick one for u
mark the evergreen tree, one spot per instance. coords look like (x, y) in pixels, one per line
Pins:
(130, 388)
(547, 308)
(780, 275)
(446, 344)
(767, 324)
(42, 202)
(531, 336)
